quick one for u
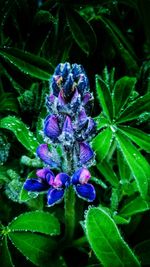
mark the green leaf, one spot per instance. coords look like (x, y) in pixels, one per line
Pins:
(105, 168)
(81, 30)
(137, 136)
(137, 163)
(120, 220)
(102, 142)
(24, 195)
(36, 221)
(24, 136)
(106, 241)
(104, 97)
(28, 63)
(5, 257)
(135, 109)
(134, 206)
(124, 170)
(101, 121)
(121, 93)
(8, 102)
(34, 247)
(142, 250)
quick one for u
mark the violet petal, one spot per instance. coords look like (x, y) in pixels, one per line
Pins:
(44, 154)
(86, 152)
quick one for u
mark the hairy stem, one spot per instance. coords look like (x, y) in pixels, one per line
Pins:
(69, 213)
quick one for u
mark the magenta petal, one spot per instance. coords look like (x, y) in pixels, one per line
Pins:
(86, 152)
(45, 155)
(51, 128)
(81, 176)
(54, 196)
(86, 98)
(34, 185)
(61, 179)
(46, 174)
(86, 191)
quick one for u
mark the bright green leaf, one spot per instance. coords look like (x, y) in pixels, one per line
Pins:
(5, 257)
(81, 30)
(104, 97)
(30, 64)
(102, 142)
(121, 93)
(120, 220)
(135, 109)
(137, 136)
(105, 168)
(34, 247)
(24, 136)
(106, 241)
(134, 206)
(137, 163)
(101, 121)
(36, 221)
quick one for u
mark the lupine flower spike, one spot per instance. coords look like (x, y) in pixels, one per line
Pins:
(69, 126)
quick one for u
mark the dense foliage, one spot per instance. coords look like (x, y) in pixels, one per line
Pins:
(111, 40)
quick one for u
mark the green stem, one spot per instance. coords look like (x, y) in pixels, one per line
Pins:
(69, 213)
(82, 241)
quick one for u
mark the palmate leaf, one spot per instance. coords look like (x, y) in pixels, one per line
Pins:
(24, 136)
(106, 170)
(5, 257)
(36, 248)
(134, 206)
(106, 241)
(81, 30)
(104, 97)
(121, 93)
(28, 63)
(102, 142)
(36, 221)
(135, 109)
(136, 162)
(101, 121)
(137, 136)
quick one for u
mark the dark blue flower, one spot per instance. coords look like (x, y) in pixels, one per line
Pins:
(82, 187)
(46, 181)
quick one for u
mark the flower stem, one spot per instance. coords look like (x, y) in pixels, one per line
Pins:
(69, 213)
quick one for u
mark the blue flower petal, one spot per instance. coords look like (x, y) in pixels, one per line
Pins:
(76, 70)
(86, 191)
(51, 128)
(55, 84)
(91, 128)
(68, 129)
(34, 185)
(83, 84)
(68, 86)
(45, 155)
(82, 118)
(54, 196)
(75, 101)
(81, 176)
(86, 152)
(61, 179)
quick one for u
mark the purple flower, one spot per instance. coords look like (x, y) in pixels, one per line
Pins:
(46, 181)
(86, 152)
(51, 127)
(44, 154)
(82, 187)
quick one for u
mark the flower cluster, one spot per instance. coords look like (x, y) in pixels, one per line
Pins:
(69, 126)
